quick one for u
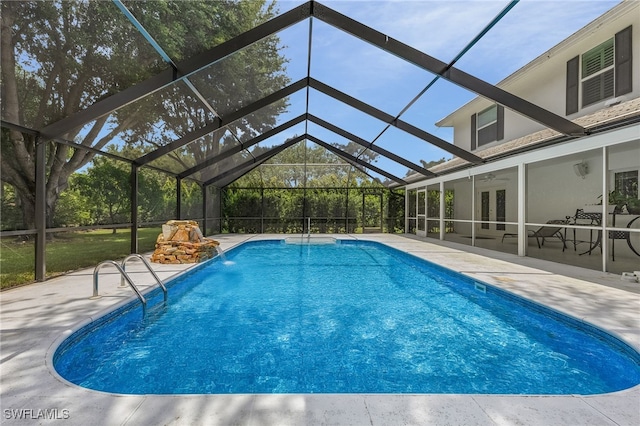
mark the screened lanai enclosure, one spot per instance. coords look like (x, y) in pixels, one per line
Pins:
(245, 116)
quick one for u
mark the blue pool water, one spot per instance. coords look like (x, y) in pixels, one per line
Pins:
(354, 317)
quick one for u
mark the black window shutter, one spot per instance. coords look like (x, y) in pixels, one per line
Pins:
(573, 77)
(623, 62)
(473, 132)
(500, 123)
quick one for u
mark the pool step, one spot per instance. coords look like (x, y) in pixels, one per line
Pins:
(308, 240)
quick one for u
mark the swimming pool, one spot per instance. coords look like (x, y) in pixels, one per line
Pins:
(354, 317)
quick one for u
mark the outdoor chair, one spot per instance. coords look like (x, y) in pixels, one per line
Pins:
(544, 232)
(621, 235)
(583, 218)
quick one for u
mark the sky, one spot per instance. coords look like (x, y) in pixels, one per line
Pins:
(438, 28)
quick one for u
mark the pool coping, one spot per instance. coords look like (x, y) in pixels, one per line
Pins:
(36, 318)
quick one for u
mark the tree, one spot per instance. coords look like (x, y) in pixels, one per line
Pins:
(304, 180)
(287, 168)
(73, 208)
(428, 164)
(107, 187)
(60, 57)
(11, 217)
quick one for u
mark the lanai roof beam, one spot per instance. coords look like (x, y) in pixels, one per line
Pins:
(221, 122)
(259, 159)
(452, 74)
(389, 119)
(351, 158)
(350, 136)
(234, 150)
(183, 69)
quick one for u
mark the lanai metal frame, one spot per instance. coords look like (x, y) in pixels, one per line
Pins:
(183, 70)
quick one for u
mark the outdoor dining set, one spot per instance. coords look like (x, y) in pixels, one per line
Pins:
(568, 230)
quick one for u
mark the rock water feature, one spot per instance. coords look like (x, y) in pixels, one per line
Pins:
(181, 241)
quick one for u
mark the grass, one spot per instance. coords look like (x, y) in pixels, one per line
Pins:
(68, 252)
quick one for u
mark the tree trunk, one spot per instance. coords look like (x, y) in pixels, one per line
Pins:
(28, 207)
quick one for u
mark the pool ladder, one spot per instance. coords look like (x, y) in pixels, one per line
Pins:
(124, 277)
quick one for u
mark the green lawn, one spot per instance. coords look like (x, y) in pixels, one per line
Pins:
(67, 252)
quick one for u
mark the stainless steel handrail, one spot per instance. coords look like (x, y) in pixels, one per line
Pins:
(137, 256)
(123, 273)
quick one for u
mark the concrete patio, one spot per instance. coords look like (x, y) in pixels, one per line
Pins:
(36, 318)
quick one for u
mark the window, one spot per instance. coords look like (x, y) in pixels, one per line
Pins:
(487, 126)
(601, 73)
(597, 73)
(487, 117)
(626, 184)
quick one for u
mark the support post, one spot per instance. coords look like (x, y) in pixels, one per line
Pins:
(381, 195)
(442, 211)
(346, 211)
(473, 210)
(522, 210)
(605, 204)
(205, 202)
(41, 210)
(220, 199)
(134, 208)
(406, 210)
(363, 215)
(178, 198)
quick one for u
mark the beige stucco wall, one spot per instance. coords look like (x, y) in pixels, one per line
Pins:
(542, 82)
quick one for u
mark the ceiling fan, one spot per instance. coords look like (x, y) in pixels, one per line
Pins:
(490, 177)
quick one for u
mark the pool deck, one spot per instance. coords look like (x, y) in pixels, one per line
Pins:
(37, 317)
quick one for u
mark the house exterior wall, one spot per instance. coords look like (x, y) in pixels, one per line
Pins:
(552, 191)
(543, 81)
(555, 192)
(551, 188)
(546, 199)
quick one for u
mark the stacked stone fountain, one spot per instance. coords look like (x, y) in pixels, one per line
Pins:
(181, 241)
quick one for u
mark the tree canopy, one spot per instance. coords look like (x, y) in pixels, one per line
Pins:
(60, 57)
